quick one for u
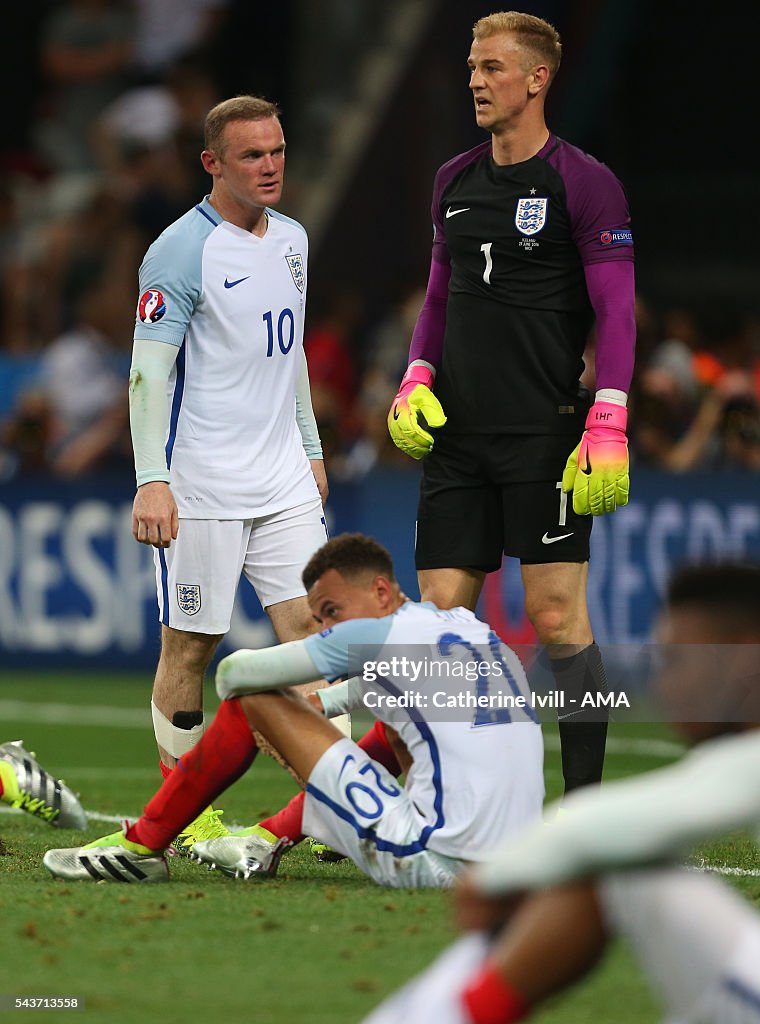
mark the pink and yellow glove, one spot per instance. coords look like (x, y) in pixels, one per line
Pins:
(597, 471)
(415, 397)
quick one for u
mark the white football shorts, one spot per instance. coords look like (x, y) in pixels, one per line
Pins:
(696, 940)
(198, 574)
(354, 805)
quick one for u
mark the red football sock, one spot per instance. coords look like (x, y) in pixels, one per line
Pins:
(288, 821)
(490, 999)
(375, 743)
(1, 787)
(166, 772)
(223, 754)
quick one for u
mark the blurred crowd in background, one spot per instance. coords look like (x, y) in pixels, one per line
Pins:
(111, 157)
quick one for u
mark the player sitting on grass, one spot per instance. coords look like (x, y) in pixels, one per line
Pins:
(381, 743)
(25, 784)
(608, 866)
(471, 782)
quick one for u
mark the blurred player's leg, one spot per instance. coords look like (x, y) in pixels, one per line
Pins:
(553, 938)
(434, 997)
(696, 940)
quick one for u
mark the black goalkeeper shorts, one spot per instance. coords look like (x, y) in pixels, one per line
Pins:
(484, 495)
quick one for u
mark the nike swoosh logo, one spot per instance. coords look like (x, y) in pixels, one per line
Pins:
(546, 539)
(231, 284)
(587, 470)
(453, 213)
(395, 412)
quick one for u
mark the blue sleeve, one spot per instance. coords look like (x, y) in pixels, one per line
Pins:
(170, 286)
(341, 651)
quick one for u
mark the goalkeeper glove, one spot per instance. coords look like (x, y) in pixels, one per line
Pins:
(415, 397)
(597, 471)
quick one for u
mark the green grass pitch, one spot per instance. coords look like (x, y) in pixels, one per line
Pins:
(320, 944)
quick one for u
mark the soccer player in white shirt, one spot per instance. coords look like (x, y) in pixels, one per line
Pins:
(609, 865)
(227, 483)
(472, 778)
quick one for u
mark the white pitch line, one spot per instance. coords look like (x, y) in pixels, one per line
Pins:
(77, 772)
(93, 815)
(726, 869)
(74, 714)
(623, 745)
(135, 718)
(118, 818)
(701, 866)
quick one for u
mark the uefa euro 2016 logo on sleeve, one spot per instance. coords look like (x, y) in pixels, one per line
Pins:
(152, 306)
(531, 215)
(189, 598)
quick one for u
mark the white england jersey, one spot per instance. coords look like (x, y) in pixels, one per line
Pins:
(233, 303)
(476, 776)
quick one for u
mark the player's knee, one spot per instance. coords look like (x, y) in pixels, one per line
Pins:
(552, 621)
(292, 620)
(257, 707)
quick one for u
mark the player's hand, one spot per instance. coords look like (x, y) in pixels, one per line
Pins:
(597, 471)
(320, 476)
(414, 399)
(154, 515)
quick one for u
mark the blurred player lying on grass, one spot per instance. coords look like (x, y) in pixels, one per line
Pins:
(25, 784)
(609, 865)
(467, 787)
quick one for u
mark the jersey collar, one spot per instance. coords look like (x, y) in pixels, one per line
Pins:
(205, 207)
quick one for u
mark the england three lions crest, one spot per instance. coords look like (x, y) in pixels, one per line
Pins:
(295, 262)
(531, 215)
(189, 598)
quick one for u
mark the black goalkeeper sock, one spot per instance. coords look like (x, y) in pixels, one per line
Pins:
(582, 730)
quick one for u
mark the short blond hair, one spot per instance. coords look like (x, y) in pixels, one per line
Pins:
(237, 108)
(533, 34)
